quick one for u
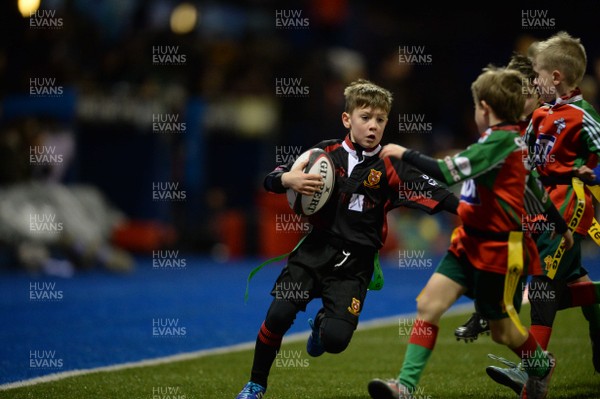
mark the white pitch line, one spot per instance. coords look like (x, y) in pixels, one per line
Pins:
(366, 325)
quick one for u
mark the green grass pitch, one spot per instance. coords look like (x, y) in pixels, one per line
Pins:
(455, 370)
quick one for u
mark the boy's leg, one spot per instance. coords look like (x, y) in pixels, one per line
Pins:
(435, 299)
(293, 290)
(343, 292)
(586, 293)
(544, 296)
(444, 287)
(279, 319)
(536, 363)
(582, 292)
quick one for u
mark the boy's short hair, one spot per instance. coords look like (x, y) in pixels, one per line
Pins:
(363, 93)
(524, 64)
(565, 53)
(502, 90)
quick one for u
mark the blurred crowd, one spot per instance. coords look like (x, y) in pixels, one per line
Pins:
(251, 76)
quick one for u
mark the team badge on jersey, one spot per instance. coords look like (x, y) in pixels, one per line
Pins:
(354, 308)
(560, 125)
(372, 180)
(548, 261)
(469, 194)
(543, 147)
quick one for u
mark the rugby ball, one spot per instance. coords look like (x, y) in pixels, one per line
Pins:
(319, 162)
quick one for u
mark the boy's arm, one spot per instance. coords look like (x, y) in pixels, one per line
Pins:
(425, 163)
(284, 177)
(538, 201)
(413, 188)
(273, 181)
(591, 133)
(431, 167)
(476, 159)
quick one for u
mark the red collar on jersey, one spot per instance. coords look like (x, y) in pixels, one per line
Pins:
(574, 95)
(505, 126)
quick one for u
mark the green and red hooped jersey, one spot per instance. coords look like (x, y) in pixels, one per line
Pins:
(566, 136)
(493, 197)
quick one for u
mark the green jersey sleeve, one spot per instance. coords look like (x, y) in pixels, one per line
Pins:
(480, 157)
(590, 128)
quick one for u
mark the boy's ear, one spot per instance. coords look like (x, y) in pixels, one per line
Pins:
(486, 108)
(346, 120)
(557, 77)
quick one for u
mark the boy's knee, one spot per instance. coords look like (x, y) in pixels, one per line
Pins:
(430, 308)
(336, 334)
(281, 316)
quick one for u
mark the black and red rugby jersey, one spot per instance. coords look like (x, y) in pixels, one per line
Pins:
(366, 188)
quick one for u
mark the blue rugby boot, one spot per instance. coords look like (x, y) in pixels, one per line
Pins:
(314, 346)
(252, 390)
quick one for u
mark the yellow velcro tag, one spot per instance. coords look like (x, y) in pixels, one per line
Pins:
(595, 190)
(513, 276)
(594, 230)
(573, 224)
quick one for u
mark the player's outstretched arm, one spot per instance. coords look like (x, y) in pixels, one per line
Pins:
(420, 161)
(392, 150)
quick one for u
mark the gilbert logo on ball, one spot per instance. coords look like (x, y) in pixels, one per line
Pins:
(319, 162)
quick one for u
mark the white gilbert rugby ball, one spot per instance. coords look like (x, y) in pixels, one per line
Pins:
(319, 162)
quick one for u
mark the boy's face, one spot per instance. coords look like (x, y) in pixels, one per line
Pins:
(532, 102)
(366, 125)
(481, 119)
(545, 84)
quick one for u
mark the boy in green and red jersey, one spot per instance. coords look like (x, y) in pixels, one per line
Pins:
(564, 140)
(489, 255)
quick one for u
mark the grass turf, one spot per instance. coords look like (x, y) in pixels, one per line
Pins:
(455, 370)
